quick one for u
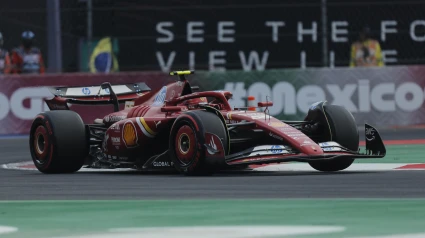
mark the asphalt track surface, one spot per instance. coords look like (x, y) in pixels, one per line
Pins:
(32, 185)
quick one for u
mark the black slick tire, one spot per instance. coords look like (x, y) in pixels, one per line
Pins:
(344, 131)
(58, 142)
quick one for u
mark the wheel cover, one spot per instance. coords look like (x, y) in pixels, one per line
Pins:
(185, 144)
(41, 144)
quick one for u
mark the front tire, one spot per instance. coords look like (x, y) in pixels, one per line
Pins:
(58, 142)
(187, 140)
(343, 128)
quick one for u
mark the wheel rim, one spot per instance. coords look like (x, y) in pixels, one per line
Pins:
(185, 145)
(41, 144)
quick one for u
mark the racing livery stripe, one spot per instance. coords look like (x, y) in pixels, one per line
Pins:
(148, 129)
(143, 128)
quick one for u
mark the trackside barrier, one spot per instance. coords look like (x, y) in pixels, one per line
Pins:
(384, 96)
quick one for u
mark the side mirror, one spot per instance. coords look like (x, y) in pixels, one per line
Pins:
(171, 109)
(265, 104)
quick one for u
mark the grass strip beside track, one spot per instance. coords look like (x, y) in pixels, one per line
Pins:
(360, 217)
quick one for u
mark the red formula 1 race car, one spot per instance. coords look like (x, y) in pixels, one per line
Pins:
(191, 132)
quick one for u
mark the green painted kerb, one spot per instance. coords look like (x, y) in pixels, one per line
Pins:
(360, 217)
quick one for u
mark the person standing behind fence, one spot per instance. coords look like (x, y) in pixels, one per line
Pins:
(27, 59)
(366, 52)
(4, 58)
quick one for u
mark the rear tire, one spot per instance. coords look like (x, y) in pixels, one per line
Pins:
(187, 140)
(58, 142)
(344, 131)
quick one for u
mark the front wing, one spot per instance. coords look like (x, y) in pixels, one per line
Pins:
(265, 154)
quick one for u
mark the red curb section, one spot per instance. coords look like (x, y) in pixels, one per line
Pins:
(27, 166)
(400, 142)
(412, 166)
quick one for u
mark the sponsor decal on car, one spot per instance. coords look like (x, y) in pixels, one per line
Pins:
(161, 164)
(257, 115)
(306, 142)
(129, 134)
(331, 149)
(276, 149)
(295, 135)
(116, 140)
(160, 97)
(370, 134)
(268, 150)
(115, 127)
(277, 124)
(330, 143)
(86, 91)
(275, 136)
(129, 104)
(212, 145)
(112, 118)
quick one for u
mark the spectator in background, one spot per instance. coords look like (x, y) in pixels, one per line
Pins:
(4, 58)
(27, 59)
(366, 52)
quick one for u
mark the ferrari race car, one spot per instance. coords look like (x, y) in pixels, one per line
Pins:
(181, 128)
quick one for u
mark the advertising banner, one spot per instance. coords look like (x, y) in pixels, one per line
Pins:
(385, 97)
(253, 35)
(21, 97)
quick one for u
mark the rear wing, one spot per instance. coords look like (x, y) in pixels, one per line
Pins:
(95, 95)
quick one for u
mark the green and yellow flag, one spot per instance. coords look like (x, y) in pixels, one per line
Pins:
(103, 60)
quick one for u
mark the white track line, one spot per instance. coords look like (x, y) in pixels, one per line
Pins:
(215, 231)
(16, 166)
(7, 229)
(298, 167)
